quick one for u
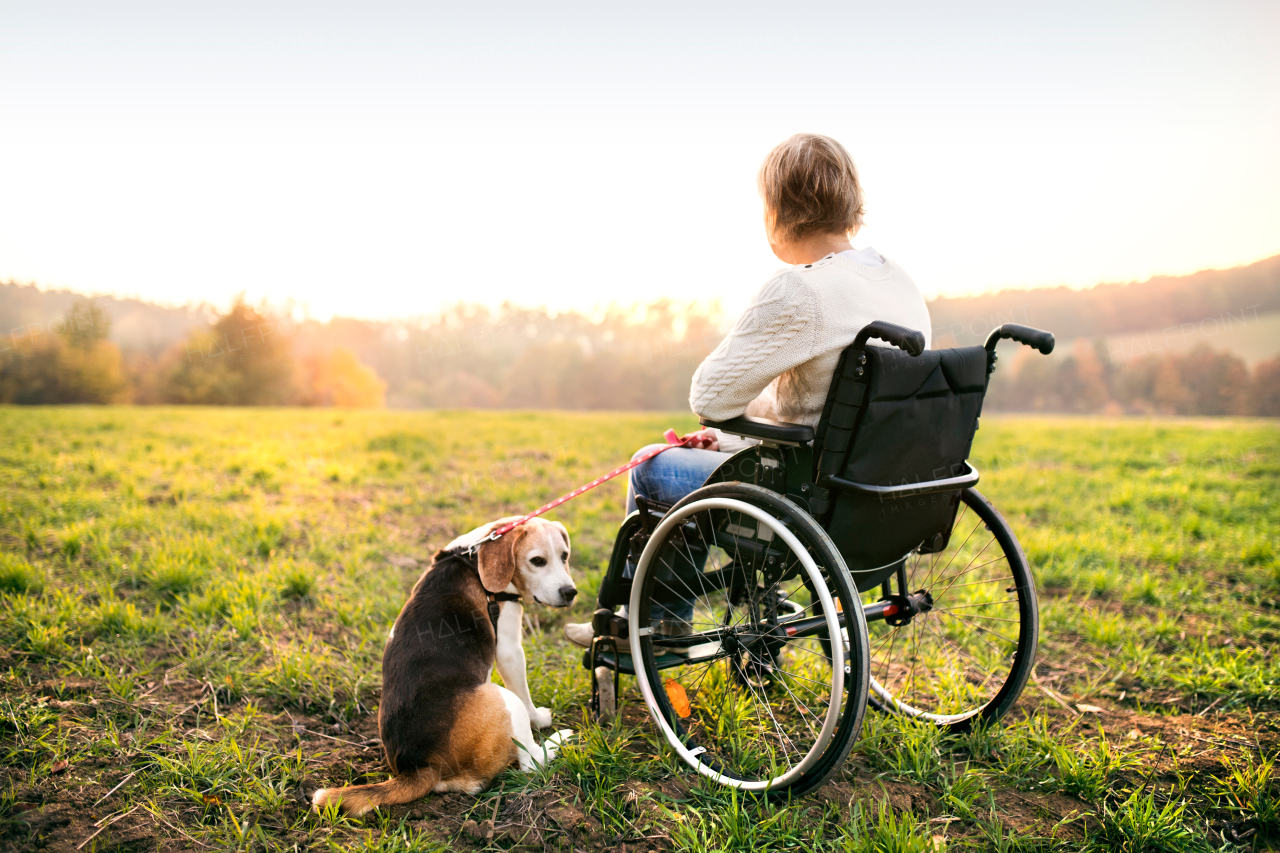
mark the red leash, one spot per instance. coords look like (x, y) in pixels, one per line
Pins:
(673, 440)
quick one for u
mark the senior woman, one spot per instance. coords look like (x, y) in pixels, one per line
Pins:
(778, 360)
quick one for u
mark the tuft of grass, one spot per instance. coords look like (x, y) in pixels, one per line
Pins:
(1259, 554)
(902, 747)
(120, 617)
(883, 831)
(1138, 824)
(312, 681)
(296, 582)
(18, 575)
(1087, 771)
(1251, 788)
(743, 824)
(267, 537)
(398, 838)
(964, 792)
(172, 578)
(1147, 590)
(1104, 629)
(45, 641)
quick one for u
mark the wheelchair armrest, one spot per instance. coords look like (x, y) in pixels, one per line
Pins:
(762, 429)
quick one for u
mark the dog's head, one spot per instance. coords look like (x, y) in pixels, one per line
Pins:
(533, 557)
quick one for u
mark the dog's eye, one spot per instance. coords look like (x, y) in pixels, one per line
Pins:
(564, 558)
(538, 561)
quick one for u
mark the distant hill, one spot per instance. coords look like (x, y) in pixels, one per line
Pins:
(135, 325)
(1110, 310)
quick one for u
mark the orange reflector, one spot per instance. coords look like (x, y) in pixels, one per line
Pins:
(679, 699)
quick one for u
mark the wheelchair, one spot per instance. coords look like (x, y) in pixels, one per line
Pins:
(820, 571)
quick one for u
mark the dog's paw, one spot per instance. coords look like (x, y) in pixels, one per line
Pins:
(551, 746)
(319, 800)
(541, 718)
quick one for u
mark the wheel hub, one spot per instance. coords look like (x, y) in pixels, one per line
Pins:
(903, 608)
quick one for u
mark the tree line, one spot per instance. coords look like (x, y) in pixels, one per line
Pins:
(1199, 381)
(244, 357)
(522, 358)
(464, 357)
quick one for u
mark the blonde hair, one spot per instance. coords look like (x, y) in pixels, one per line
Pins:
(810, 186)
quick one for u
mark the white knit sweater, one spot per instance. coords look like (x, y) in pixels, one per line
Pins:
(778, 359)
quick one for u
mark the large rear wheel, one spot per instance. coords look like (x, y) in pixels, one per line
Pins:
(734, 603)
(965, 655)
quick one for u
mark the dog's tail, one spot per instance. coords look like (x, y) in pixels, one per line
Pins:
(358, 799)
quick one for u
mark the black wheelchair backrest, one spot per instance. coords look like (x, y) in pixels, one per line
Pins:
(891, 451)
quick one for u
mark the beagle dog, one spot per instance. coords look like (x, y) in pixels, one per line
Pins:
(445, 725)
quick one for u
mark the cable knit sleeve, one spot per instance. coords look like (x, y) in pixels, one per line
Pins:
(777, 332)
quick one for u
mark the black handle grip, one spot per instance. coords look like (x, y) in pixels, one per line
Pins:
(908, 340)
(1034, 338)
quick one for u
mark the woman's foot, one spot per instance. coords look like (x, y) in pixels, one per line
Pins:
(579, 633)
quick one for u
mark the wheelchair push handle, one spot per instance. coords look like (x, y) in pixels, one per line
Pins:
(908, 340)
(1034, 338)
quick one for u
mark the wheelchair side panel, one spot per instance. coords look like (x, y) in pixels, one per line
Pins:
(615, 590)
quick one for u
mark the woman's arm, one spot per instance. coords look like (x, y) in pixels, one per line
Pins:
(777, 332)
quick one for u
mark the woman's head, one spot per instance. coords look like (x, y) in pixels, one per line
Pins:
(810, 188)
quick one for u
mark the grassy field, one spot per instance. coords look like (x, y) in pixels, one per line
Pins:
(193, 604)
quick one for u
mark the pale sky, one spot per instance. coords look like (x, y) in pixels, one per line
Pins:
(380, 159)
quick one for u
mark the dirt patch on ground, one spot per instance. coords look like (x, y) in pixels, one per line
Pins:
(1044, 815)
(61, 814)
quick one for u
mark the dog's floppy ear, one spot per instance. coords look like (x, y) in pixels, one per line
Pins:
(564, 531)
(496, 560)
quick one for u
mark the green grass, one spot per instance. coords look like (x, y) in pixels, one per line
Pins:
(193, 605)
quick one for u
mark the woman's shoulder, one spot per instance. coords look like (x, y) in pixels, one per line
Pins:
(785, 284)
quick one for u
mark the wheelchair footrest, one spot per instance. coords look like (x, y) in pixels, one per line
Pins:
(619, 661)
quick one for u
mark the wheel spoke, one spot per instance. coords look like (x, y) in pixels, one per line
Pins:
(977, 626)
(948, 671)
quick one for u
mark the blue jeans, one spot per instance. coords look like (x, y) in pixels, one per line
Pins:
(667, 478)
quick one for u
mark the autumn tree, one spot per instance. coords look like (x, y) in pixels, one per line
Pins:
(244, 359)
(71, 362)
(1265, 392)
(337, 378)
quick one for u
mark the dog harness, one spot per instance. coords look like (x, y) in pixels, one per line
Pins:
(494, 609)
(468, 555)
